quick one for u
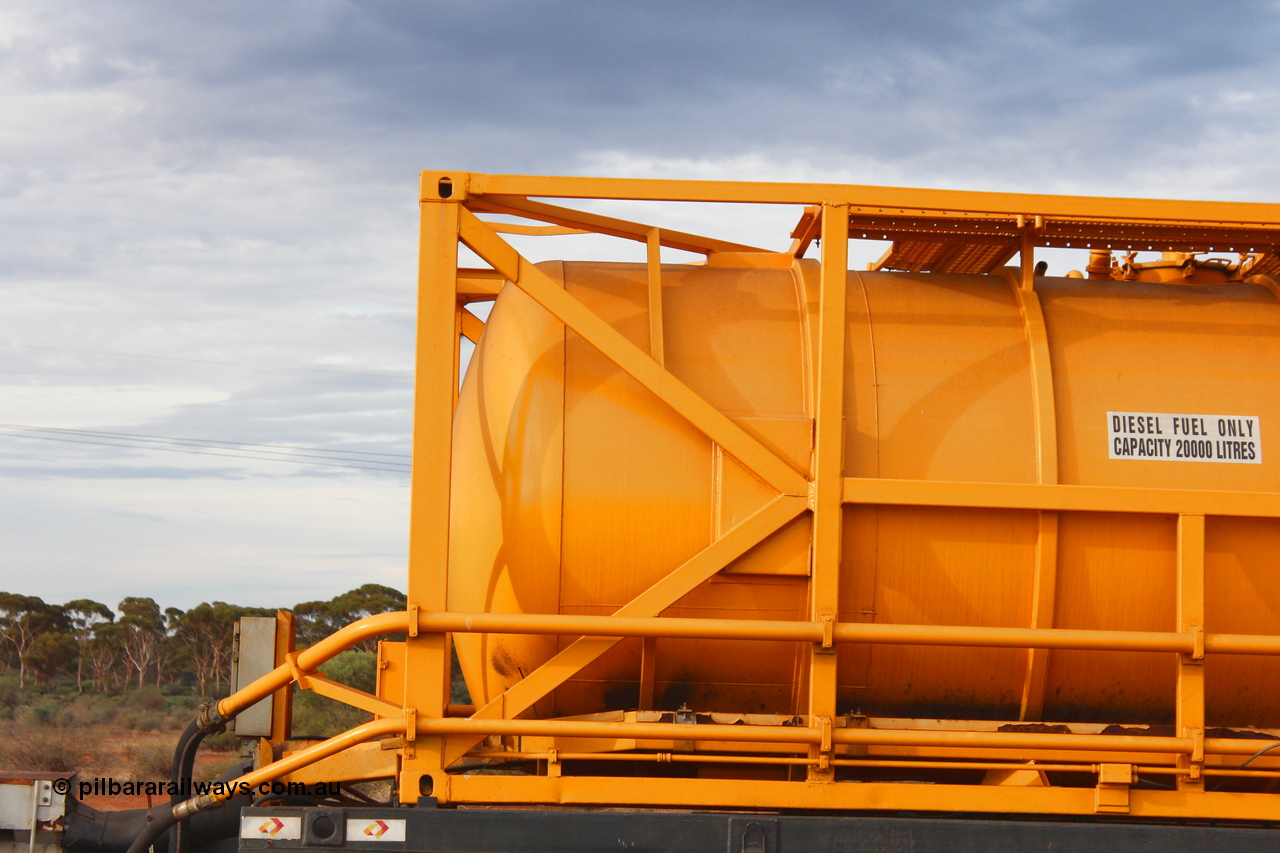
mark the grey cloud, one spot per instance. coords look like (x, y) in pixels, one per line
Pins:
(236, 182)
(459, 79)
(385, 88)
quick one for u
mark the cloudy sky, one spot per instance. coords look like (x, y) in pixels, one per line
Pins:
(208, 214)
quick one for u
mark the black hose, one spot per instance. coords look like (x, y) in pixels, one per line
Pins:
(176, 774)
(180, 751)
(1222, 782)
(88, 830)
(206, 722)
(156, 828)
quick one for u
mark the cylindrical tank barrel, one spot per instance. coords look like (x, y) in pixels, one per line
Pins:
(575, 489)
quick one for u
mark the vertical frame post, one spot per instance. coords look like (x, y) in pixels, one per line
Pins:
(826, 492)
(653, 259)
(1027, 256)
(1190, 698)
(427, 656)
(457, 350)
(282, 708)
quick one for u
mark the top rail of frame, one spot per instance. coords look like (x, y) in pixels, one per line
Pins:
(862, 199)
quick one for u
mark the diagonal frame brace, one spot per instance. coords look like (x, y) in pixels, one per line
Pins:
(573, 658)
(471, 326)
(322, 685)
(717, 426)
(597, 224)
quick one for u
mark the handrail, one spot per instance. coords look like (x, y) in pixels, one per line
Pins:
(797, 735)
(310, 659)
(300, 664)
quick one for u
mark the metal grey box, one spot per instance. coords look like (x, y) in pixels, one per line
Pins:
(254, 656)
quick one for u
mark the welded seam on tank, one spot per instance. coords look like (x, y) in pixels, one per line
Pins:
(875, 377)
(1045, 421)
(799, 281)
(866, 607)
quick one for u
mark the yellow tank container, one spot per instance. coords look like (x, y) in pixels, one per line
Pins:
(575, 488)
(761, 534)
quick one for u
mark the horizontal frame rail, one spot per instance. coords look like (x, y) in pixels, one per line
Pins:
(845, 632)
(1063, 498)
(797, 735)
(798, 760)
(805, 735)
(308, 661)
(863, 199)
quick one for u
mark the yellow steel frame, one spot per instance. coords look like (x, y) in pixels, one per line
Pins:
(430, 741)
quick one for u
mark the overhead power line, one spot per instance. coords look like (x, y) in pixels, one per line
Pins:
(363, 460)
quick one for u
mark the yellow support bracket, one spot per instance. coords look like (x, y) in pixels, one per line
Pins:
(1197, 638)
(828, 633)
(1111, 796)
(322, 685)
(298, 674)
(824, 749)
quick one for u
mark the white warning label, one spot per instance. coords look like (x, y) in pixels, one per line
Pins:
(1189, 438)
(375, 830)
(275, 828)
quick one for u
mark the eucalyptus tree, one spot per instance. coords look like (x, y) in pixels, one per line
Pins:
(84, 615)
(23, 618)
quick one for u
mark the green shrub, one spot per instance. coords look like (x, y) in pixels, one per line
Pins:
(101, 712)
(29, 748)
(150, 722)
(179, 714)
(185, 704)
(151, 763)
(142, 721)
(85, 710)
(354, 668)
(316, 716)
(68, 716)
(42, 712)
(148, 699)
